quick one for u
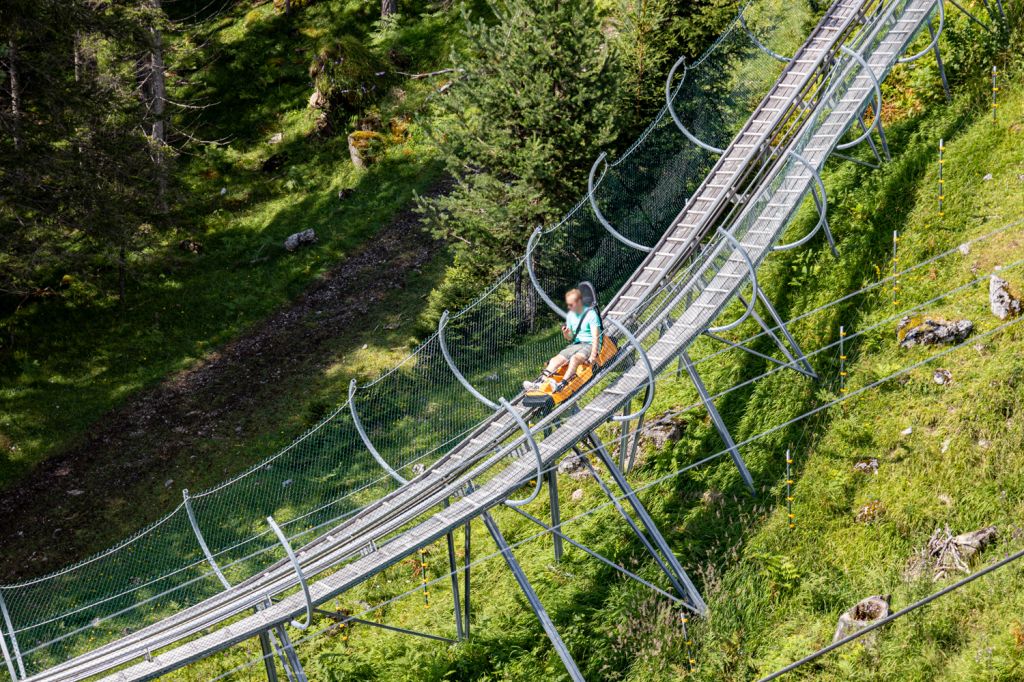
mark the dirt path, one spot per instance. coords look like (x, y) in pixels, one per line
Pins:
(64, 510)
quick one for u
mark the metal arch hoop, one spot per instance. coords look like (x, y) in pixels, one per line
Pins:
(202, 540)
(533, 277)
(764, 48)
(600, 216)
(753, 282)
(521, 423)
(647, 365)
(455, 370)
(675, 117)
(822, 201)
(935, 38)
(14, 643)
(366, 438)
(298, 571)
(878, 99)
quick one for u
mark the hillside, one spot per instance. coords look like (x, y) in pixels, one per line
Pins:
(946, 454)
(221, 351)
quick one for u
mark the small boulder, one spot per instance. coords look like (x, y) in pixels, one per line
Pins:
(577, 495)
(277, 138)
(300, 239)
(867, 466)
(317, 100)
(942, 377)
(987, 178)
(965, 249)
(916, 331)
(574, 466)
(1002, 302)
(662, 431)
(345, 193)
(862, 614)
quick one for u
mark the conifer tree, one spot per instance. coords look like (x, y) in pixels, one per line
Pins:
(519, 129)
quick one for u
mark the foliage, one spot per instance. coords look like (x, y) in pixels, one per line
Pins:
(518, 127)
(77, 180)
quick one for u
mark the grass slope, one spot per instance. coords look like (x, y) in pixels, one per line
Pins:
(774, 593)
(65, 362)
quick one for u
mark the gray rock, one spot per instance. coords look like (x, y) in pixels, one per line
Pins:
(928, 331)
(987, 178)
(577, 495)
(277, 138)
(1003, 303)
(663, 431)
(573, 466)
(965, 249)
(867, 466)
(942, 377)
(863, 613)
(299, 239)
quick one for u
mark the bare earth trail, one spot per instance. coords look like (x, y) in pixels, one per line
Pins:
(130, 467)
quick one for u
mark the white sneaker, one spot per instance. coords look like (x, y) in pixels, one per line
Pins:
(531, 385)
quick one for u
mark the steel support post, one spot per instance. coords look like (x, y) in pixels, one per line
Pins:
(689, 591)
(723, 430)
(677, 584)
(942, 67)
(556, 511)
(14, 643)
(534, 600)
(796, 362)
(294, 669)
(869, 140)
(881, 136)
(555, 530)
(801, 357)
(465, 577)
(268, 657)
(459, 632)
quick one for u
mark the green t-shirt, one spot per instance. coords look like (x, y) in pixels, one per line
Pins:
(589, 330)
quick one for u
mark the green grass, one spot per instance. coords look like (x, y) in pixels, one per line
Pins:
(65, 362)
(774, 594)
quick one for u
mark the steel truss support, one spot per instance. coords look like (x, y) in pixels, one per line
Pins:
(795, 359)
(533, 599)
(557, 531)
(720, 426)
(342, 618)
(286, 652)
(652, 540)
(556, 511)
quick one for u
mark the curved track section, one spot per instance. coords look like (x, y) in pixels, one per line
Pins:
(731, 222)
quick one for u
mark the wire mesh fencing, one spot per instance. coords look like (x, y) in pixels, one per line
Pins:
(418, 411)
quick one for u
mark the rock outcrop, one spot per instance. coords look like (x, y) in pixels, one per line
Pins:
(1002, 302)
(927, 331)
(300, 239)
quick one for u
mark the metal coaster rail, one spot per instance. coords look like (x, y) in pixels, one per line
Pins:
(699, 266)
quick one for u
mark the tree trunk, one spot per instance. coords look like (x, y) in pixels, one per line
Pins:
(287, 7)
(387, 8)
(12, 70)
(122, 274)
(155, 97)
